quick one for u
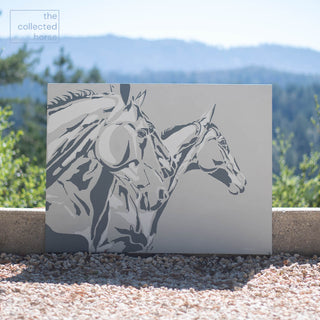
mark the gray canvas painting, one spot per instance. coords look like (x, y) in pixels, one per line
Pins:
(159, 168)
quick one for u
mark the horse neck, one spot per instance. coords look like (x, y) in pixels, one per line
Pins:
(187, 149)
(187, 157)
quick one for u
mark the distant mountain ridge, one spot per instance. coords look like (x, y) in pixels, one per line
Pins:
(130, 56)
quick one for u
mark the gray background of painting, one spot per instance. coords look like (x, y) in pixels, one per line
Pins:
(202, 216)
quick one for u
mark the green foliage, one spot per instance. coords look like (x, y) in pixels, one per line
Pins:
(33, 142)
(21, 183)
(297, 190)
(315, 121)
(16, 68)
(292, 108)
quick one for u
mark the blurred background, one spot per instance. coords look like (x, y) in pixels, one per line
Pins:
(203, 41)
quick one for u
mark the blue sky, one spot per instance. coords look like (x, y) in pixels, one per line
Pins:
(216, 22)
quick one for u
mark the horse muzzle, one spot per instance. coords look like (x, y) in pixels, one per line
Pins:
(238, 184)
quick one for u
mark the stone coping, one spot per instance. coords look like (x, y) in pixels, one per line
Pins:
(294, 230)
(284, 210)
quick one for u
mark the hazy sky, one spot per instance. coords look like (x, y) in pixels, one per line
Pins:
(218, 22)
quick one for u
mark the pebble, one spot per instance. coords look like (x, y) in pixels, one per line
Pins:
(164, 286)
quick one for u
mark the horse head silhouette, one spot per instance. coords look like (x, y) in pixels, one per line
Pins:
(214, 157)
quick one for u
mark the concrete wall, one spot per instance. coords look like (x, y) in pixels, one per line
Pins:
(22, 230)
(294, 230)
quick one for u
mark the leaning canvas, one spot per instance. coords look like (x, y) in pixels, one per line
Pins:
(153, 168)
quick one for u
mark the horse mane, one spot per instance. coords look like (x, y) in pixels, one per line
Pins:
(56, 103)
(75, 137)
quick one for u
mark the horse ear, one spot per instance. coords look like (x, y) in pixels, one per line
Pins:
(207, 118)
(140, 98)
(125, 91)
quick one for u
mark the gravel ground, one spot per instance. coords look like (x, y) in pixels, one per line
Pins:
(113, 286)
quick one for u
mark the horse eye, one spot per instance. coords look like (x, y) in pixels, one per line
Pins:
(222, 140)
(142, 133)
(217, 163)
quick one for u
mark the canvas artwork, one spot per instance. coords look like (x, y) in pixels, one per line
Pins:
(159, 168)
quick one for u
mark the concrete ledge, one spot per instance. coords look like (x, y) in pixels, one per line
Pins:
(294, 230)
(22, 230)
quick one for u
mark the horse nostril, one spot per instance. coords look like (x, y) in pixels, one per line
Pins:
(163, 194)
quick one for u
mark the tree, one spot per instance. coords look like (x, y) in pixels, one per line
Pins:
(63, 71)
(15, 68)
(93, 76)
(21, 183)
(297, 190)
(33, 142)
